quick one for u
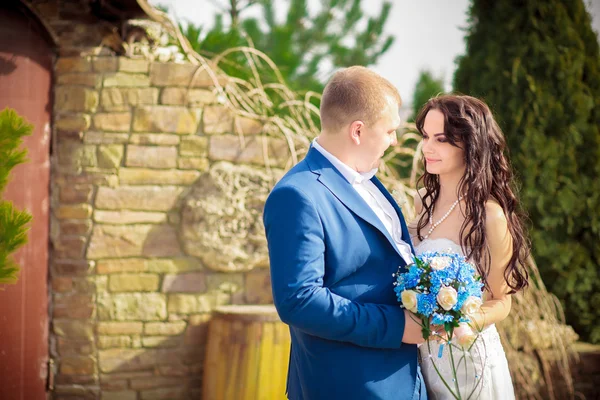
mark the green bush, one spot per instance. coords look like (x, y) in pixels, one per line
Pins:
(13, 223)
(427, 86)
(307, 45)
(537, 64)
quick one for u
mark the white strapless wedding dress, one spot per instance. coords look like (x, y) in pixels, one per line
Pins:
(485, 374)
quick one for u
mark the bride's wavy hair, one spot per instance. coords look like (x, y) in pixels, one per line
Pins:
(470, 125)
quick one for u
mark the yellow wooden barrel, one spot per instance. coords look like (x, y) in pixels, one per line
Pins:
(248, 351)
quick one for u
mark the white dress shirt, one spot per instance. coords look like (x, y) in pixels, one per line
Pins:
(361, 182)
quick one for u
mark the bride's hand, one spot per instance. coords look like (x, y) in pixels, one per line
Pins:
(438, 333)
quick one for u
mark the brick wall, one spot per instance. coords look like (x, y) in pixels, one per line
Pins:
(145, 241)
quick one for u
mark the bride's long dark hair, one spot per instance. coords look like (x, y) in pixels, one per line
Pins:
(470, 125)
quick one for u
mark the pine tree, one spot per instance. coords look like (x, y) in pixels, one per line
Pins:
(13, 223)
(537, 64)
(427, 87)
(307, 46)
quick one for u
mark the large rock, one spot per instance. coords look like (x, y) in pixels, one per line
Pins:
(222, 218)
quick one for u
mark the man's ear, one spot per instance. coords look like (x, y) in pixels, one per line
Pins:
(356, 130)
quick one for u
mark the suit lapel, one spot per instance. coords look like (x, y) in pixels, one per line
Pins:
(331, 178)
(388, 196)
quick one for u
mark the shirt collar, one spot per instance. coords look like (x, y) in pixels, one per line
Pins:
(352, 176)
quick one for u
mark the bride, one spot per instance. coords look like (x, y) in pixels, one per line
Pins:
(468, 206)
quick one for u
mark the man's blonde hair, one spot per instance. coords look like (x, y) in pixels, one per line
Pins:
(355, 93)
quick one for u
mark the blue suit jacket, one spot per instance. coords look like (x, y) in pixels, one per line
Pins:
(332, 262)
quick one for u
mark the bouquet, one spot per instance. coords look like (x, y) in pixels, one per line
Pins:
(443, 289)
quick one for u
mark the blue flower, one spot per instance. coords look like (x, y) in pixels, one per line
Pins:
(439, 319)
(426, 304)
(463, 295)
(466, 273)
(427, 282)
(409, 279)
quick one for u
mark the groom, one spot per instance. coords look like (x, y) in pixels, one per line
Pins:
(335, 238)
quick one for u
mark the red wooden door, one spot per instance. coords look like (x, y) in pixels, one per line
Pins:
(25, 85)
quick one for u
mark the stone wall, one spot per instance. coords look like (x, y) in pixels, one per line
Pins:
(156, 220)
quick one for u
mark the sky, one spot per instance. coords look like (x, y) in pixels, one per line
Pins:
(429, 34)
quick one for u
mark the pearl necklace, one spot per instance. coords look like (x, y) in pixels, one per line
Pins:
(433, 226)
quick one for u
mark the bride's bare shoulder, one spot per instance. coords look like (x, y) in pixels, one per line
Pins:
(494, 212)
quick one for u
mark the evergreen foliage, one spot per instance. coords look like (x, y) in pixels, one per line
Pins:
(537, 64)
(427, 86)
(13, 223)
(307, 46)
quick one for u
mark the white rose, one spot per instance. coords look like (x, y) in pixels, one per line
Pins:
(471, 306)
(465, 336)
(409, 300)
(447, 297)
(439, 263)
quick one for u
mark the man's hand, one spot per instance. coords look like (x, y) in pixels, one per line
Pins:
(412, 329)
